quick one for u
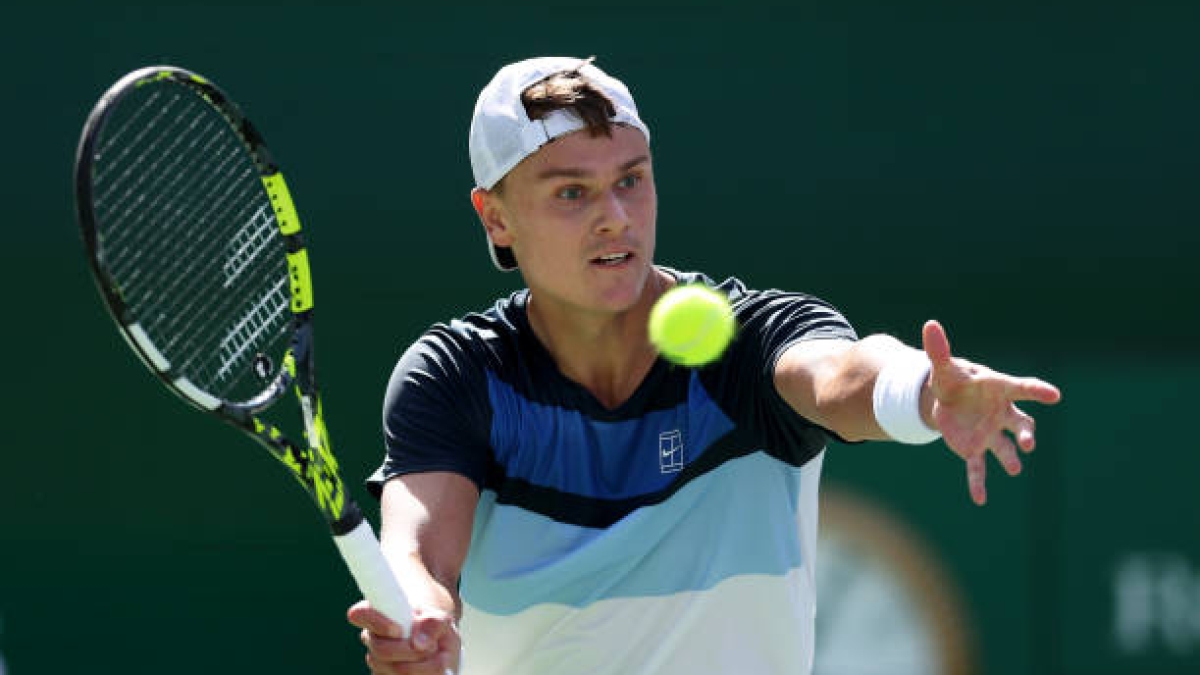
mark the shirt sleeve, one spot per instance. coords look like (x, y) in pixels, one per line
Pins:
(436, 415)
(768, 323)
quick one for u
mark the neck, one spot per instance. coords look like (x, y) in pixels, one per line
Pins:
(609, 354)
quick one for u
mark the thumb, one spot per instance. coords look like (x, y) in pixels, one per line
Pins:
(423, 639)
(362, 615)
(935, 343)
(427, 632)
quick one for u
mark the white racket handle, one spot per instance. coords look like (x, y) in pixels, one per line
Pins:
(374, 575)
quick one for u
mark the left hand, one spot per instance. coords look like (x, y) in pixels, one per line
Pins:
(433, 648)
(974, 408)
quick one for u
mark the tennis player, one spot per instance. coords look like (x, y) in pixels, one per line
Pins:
(558, 499)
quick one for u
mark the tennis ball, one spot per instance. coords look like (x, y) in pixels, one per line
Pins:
(692, 324)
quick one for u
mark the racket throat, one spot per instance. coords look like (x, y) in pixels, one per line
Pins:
(310, 422)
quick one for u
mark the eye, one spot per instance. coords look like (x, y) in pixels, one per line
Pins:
(630, 181)
(571, 192)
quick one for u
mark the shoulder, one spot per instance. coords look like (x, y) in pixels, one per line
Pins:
(464, 349)
(476, 334)
(774, 310)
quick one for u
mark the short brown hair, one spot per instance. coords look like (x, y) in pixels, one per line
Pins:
(568, 90)
(571, 90)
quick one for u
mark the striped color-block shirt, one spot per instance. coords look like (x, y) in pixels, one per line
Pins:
(674, 534)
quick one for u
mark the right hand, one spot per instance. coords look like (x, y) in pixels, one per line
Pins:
(432, 649)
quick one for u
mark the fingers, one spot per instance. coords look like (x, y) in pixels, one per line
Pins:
(975, 410)
(977, 478)
(433, 664)
(437, 665)
(396, 656)
(432, 648)
(935, 343)
(361, 614)
(1022, 427)
(1032, 389)
(1006, 453)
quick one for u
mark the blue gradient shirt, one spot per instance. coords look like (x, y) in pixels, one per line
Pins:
(673, 534)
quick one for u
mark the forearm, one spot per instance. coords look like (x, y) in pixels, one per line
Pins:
(426, 531)
(425, 588)
(833, 383)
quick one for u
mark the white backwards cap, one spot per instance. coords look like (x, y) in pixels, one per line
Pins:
(502, 134)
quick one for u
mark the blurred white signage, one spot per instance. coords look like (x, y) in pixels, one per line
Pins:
(1156, 604)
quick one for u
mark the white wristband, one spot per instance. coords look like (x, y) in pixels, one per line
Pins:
(897, 399)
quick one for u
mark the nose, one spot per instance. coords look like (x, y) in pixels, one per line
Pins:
(613, 215)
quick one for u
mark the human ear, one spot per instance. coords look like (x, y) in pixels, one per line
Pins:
(491, 214)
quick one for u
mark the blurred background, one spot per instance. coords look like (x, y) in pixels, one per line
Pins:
(1026, 174)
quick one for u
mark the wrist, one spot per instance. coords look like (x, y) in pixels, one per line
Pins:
(926, 404)
(902, 399)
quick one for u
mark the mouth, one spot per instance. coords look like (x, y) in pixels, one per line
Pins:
(613, 259)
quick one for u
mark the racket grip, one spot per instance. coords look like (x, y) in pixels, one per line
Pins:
(374, 576)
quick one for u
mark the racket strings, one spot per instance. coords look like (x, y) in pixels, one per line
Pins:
(149, 237)
(160, 241)
(229, 293)
(180, 183)
(144, 127)
(191, 238)
(187, 250)
(193, 283)
(190, 190)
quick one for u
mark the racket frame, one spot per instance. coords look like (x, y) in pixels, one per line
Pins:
(312, 464)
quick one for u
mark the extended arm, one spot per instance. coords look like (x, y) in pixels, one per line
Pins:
(832, 383)
(426, 530)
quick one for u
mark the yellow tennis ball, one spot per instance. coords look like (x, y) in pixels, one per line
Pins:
(692, 324)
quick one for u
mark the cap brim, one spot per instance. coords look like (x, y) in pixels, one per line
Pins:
(502, 257)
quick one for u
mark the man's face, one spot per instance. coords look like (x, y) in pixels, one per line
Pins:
(580, 216)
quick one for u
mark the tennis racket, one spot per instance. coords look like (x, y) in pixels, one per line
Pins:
(199, 256)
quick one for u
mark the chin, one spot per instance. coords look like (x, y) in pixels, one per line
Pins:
(624, 294)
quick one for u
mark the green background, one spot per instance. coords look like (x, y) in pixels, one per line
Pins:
(1024, 174)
